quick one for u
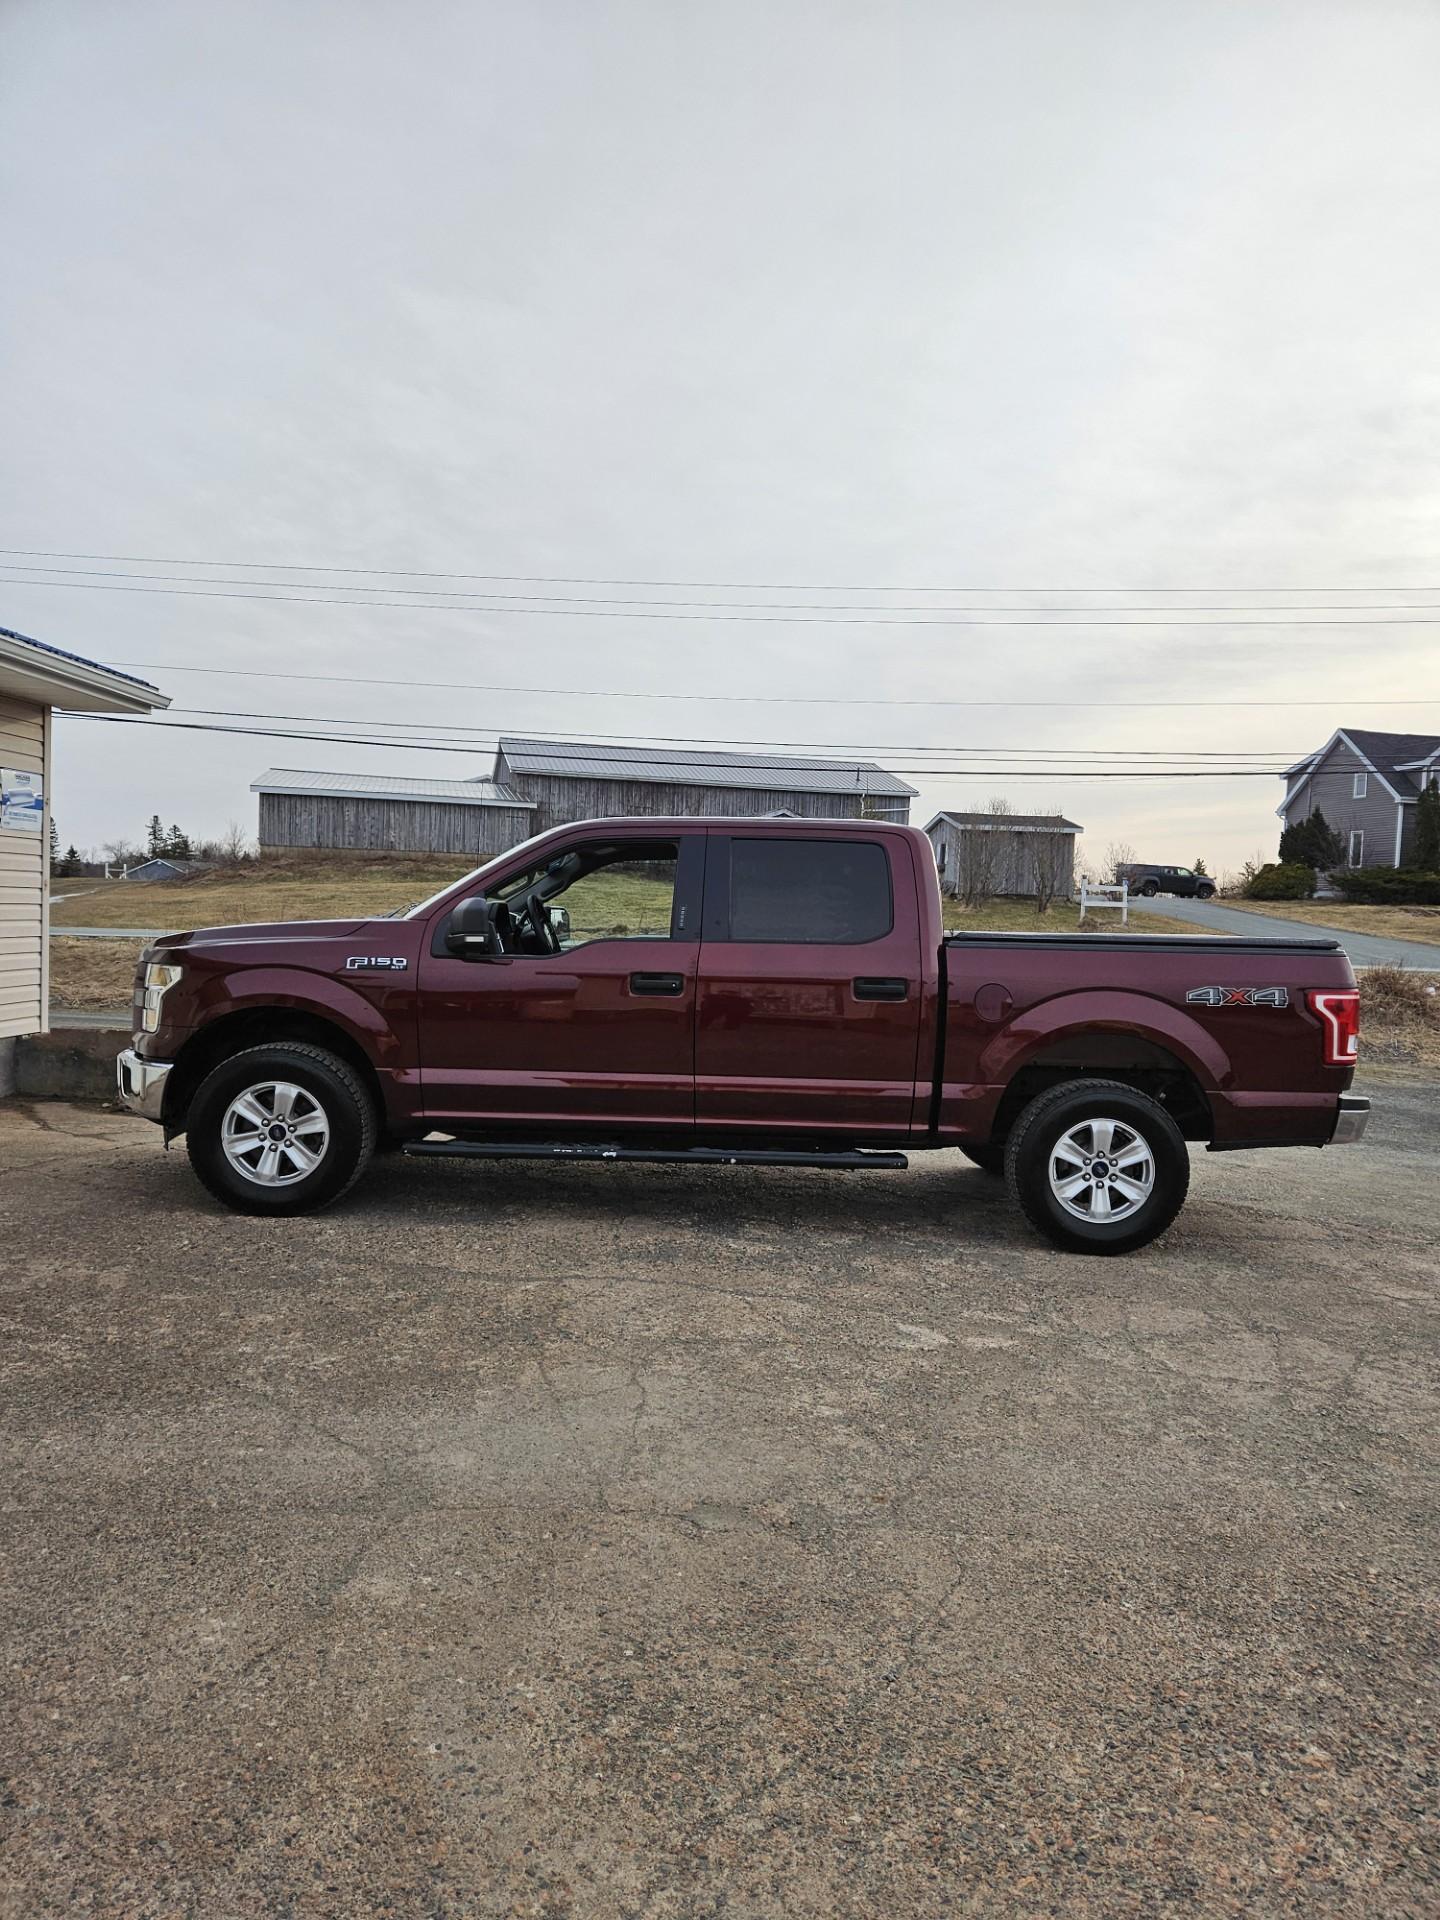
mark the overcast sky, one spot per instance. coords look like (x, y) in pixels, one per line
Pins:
(953, 295)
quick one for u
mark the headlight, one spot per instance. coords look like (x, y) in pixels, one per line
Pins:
(159, 978)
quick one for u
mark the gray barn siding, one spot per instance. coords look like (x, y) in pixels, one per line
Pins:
(389, 826)
(1013, 855)
(559, 799)
(1329, 789)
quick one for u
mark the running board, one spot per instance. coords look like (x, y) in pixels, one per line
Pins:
(655, 1156)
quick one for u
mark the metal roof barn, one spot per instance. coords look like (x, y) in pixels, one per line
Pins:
(389, 813)
(578, 780)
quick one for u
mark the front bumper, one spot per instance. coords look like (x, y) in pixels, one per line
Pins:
(1352, 1119)
(141, 1084)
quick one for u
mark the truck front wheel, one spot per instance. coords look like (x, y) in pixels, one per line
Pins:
(1097, 1167)
(280, 1129)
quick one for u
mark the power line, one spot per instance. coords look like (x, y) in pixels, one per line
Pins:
(741, 699)
(91, 575)
(985, 771)
(831, 748)
(636, 613)
(605, 580)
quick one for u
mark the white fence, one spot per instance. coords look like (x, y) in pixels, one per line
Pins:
(1094, 895)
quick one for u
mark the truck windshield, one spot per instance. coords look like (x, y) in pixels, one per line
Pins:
(424, 906)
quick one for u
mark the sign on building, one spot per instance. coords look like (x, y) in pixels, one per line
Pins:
(22, 801)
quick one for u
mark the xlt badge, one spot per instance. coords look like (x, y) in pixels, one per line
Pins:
(376, 962)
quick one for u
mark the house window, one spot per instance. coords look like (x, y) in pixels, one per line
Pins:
(1357, 789)
(940, 853)
(1357, 847)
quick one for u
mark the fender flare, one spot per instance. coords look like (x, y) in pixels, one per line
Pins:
(251, 989)
(1120, 1011)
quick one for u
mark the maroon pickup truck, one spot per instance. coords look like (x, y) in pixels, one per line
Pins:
(757, 992)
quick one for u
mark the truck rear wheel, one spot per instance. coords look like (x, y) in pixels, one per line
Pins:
(1097, 1167)
(280, 1129)
(1150, 888)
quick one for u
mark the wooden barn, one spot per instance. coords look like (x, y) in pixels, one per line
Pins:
(577, 780)
(1020, 854)
(384, 813)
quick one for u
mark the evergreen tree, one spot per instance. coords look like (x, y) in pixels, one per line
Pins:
(177, 844)
(1327, 847)
(1311, 842)
(54, 848)
(1200, 867)
(1427, 830)
(155, 836)
(70, 865)
(1295, 844)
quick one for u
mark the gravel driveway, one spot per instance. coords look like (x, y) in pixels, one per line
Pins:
(567, 1541)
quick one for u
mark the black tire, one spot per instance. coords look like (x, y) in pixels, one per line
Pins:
(988, 1159)
(1205, 893)
(1149, 888)
(1064, 1109)
(330, 1086)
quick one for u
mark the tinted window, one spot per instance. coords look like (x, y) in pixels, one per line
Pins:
(815, 892)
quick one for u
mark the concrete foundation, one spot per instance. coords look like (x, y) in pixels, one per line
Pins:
(7, 1067)
(73, 1063)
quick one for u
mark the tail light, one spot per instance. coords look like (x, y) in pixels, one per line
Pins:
(1339, 1017)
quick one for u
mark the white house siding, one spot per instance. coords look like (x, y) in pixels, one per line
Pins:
(24, 878)
(1330, 788)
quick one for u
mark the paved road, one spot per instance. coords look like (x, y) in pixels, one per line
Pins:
(1364, 949)
(661, 1542)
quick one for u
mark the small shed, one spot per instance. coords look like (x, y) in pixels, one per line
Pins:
(160, 866)
(34, 680)
(1020, 854)
(569, 780)
(389, 813)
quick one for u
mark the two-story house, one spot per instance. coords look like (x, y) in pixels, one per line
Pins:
(1366, 785)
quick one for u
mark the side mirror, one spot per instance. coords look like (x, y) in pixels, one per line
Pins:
(472, 933)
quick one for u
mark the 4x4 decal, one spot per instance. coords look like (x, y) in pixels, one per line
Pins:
(1238, 997)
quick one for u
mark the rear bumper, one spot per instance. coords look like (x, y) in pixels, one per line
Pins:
(141, 1084)
(1351, 1121)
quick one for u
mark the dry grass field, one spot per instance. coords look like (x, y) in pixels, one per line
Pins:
(1394, 923)
(1399, 1018)
(299, 886)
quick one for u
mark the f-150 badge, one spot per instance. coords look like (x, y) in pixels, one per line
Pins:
(1238, 997)
(376, 963)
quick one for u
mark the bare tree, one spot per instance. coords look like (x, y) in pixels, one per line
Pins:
(234, 844)
(119, 852)
(1054, 869)
(1118, 854)
(983, 853)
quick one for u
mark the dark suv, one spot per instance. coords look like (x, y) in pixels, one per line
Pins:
(1183, 882)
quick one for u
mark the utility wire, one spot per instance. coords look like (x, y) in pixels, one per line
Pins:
(622, 742)
(737, 699)
(605, 580)
(743, 619)
(984, 771)
(90, 575)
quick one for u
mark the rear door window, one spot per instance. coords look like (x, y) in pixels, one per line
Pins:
(809, 892)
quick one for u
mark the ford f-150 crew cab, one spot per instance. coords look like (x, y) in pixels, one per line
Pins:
(774, 992)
